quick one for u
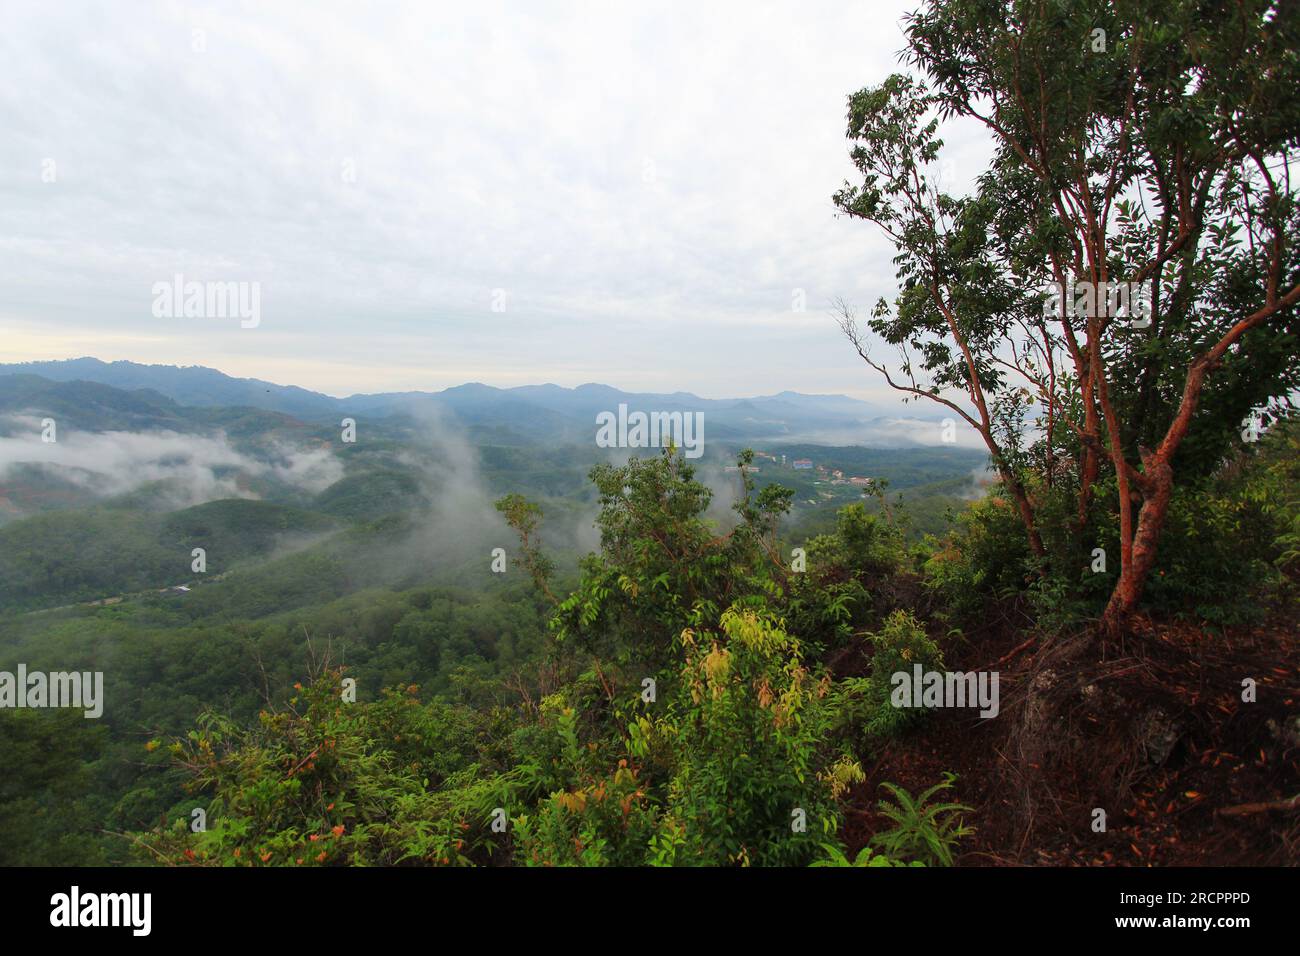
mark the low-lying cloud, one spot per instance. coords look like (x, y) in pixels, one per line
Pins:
(194, 468)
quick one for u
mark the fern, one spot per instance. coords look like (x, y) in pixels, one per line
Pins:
(922, 830)
(835, 857)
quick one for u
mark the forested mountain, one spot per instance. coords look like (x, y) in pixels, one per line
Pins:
(194, 385)
(528, 414)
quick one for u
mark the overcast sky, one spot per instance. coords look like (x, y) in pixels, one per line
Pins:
(642, 186)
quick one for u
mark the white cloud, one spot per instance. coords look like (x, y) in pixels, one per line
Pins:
(196, 468)
(648, 185)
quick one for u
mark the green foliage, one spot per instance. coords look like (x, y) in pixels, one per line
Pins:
(1222, 555)
(742, 757)
(899, 645)
(866, 857)
(326, 782)
(1118, 156)
(370, 495)
(984, 558)
(524, 517)
(46, 818)
(660, 563)
(749, 735)
(1272, 487)
(923, 831)
(104, 552)
(847, 585)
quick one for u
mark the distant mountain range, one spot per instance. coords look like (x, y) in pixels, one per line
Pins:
(528, 413)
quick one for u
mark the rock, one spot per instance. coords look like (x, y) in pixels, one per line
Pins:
(1157, 733)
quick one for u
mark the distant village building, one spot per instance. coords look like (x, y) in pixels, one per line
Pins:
(803, 463)
(861, 482)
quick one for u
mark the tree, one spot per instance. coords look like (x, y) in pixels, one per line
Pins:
(1141, 148)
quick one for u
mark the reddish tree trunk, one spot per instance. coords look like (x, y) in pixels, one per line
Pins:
(1146, 537)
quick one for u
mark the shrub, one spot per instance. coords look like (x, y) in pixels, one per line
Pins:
(866, 857)
(900, 644)
(750, 733)
(923, 831)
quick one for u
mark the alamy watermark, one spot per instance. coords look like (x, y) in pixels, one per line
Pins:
(923, 688)
(651, 430)
(1127, 303)
(38, 689)
(72, 909)
(208, 300)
